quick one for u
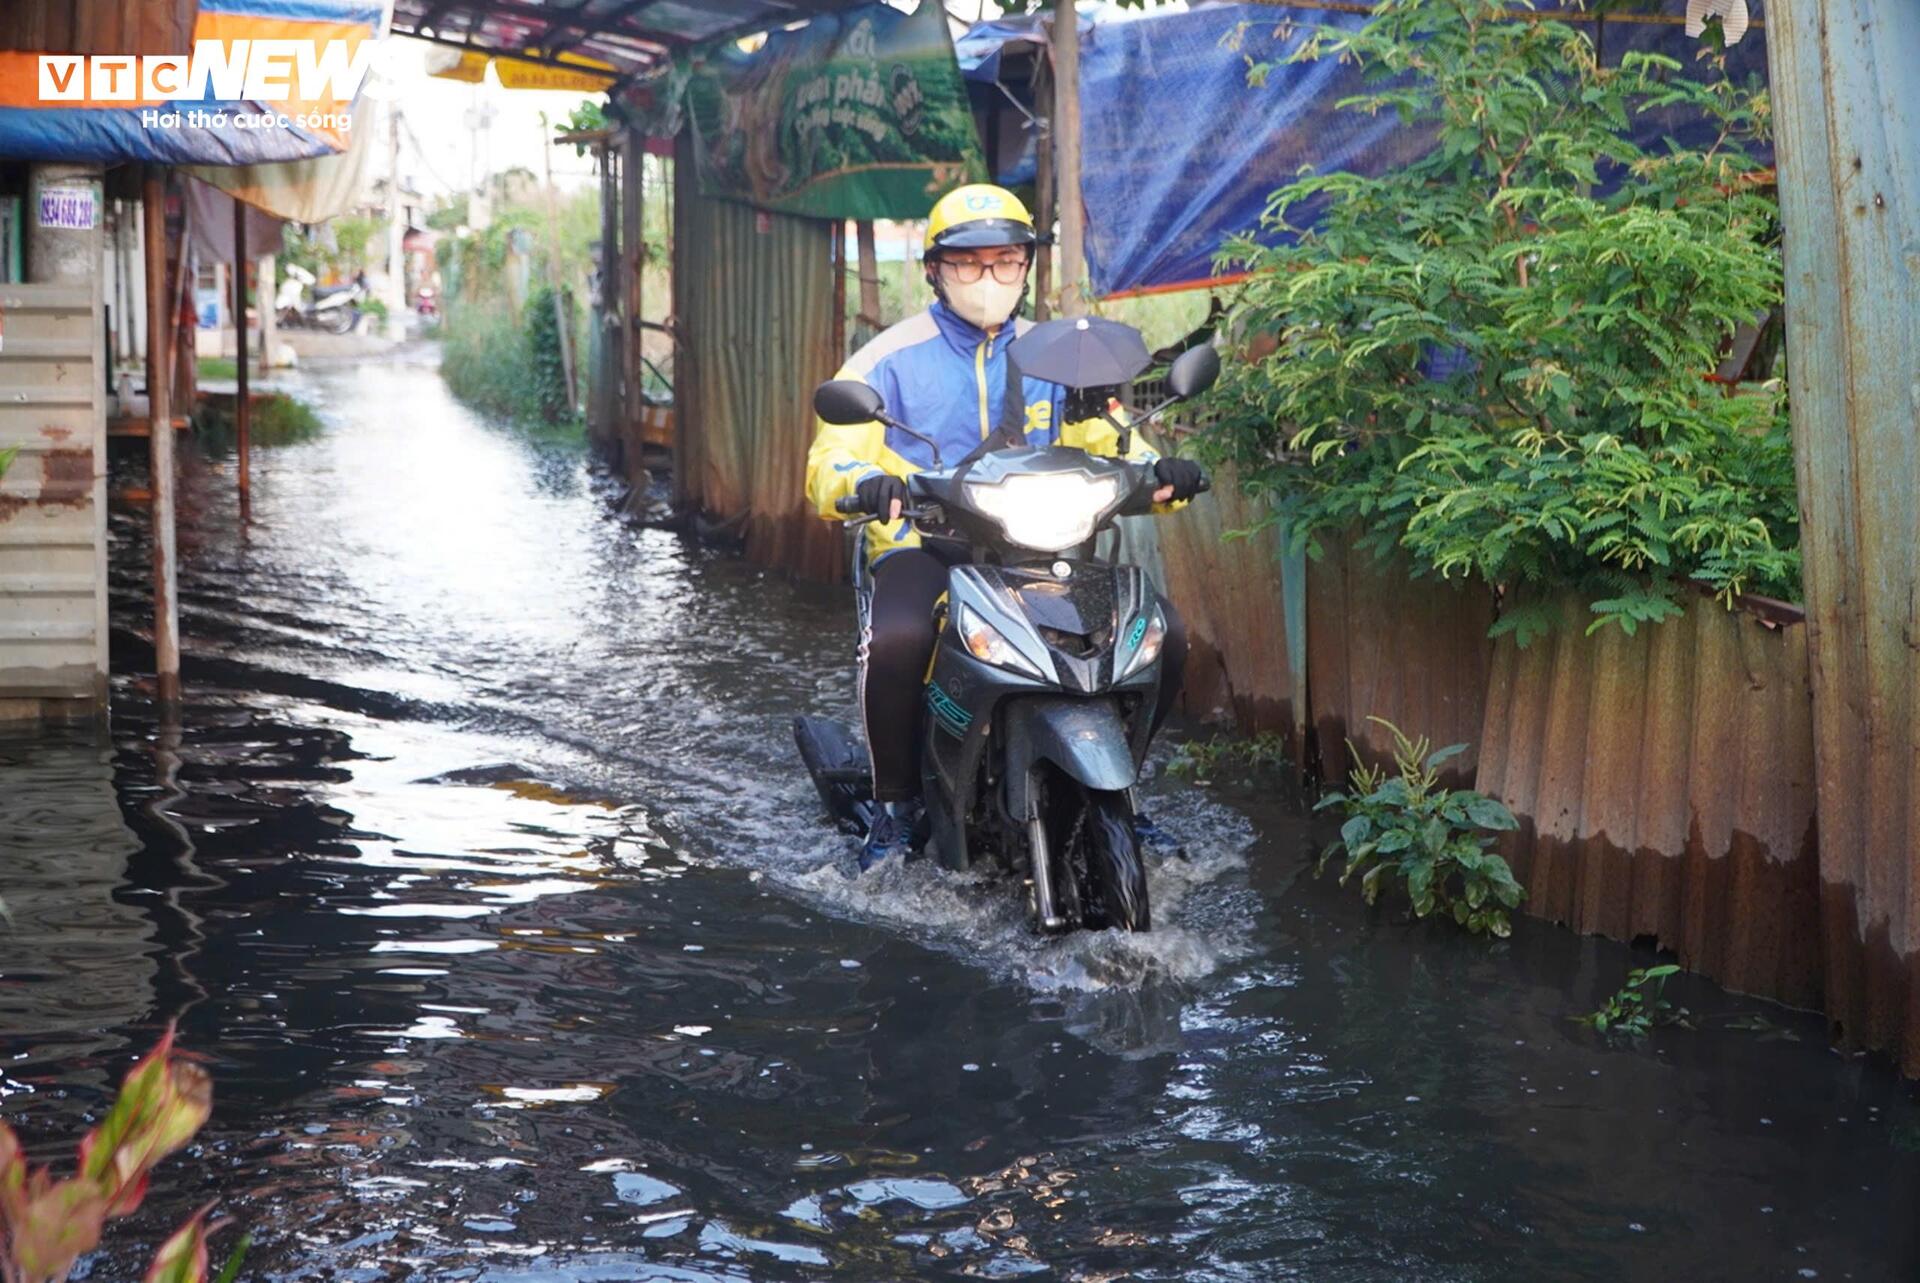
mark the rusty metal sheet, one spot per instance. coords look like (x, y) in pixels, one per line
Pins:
(53, 596)
(1234, 595)
(754, 297)
(1846, 98)
(1664, 784)
(1382, 644)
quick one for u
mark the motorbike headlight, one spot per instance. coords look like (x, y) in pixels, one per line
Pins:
(1145, 637)
(986, 644)
(1047, 511)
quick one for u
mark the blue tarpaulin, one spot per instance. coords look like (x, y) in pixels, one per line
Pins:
(1179, 153)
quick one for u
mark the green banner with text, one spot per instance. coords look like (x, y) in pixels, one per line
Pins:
(861, 114)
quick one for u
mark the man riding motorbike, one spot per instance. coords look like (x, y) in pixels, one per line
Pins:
(944, 372)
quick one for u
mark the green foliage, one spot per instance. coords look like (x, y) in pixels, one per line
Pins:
(548, 367)
(1201, 760)
(511, 372)
(1639, 1005)
(6, 458)
(1435, 842)
(275, 419)
(46, 1225)
(1494, 356)
(352, 238)
(590, 114)
(216, 368)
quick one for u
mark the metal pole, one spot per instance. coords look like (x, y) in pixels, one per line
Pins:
(1066, 139)
(1043, 195)
(869, 275)
(396, 220)
(242, 403)
(838, 251)
(166, 619)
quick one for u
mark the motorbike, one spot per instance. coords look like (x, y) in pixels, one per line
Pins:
(333, 308)
(1046, 671)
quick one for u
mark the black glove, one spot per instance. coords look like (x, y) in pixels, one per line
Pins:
(878, 492)
(1184, 475)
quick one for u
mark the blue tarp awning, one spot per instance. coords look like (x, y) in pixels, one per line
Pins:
(1179, 153)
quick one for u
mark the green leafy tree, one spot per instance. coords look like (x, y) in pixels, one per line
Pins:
(1497, 357)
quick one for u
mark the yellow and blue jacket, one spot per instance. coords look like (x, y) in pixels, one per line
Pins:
(945, 376)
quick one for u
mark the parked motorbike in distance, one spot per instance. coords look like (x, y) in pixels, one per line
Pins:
(1046, 670)
(333, 308)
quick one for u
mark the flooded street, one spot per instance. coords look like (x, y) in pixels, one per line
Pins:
(486, 878)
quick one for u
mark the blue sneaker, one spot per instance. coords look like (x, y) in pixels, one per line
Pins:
(889, 835)
(1154, 840)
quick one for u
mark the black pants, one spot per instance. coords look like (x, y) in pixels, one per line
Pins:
(894, 666)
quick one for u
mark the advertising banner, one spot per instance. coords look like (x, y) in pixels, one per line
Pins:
(861, 114)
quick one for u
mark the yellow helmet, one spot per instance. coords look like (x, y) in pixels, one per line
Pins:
(976, 216)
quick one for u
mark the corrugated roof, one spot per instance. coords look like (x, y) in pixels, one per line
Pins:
(634, 36)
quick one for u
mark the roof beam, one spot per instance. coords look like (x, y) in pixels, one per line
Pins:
(591, 27)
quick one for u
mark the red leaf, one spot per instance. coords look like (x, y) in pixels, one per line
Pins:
(183, 1258)
(162, 1103)
(56, 1225)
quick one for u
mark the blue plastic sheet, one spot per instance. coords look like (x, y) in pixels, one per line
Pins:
(1180, 153)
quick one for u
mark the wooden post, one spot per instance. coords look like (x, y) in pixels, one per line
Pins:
(1043, 194)
(869, 276)
(242, 403)
(1066, 139)
(166, 618)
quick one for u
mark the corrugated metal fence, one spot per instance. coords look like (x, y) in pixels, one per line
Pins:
(53, 600)
(753, 293)
(1846, 94)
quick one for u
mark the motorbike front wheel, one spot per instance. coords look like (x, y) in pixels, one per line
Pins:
(1098, 879)
(339, 320)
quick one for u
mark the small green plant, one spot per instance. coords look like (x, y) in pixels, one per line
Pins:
(216, 368)
(1201, 760)
(6, 458)
(275, 420)
(46, 1225)
(1638, 1006)
(1436, 842)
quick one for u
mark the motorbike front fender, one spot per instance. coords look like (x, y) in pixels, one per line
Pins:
(1085, 738)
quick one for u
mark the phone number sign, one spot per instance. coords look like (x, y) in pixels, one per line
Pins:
(73, 209)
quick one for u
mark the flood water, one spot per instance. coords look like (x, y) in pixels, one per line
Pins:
(484, 876)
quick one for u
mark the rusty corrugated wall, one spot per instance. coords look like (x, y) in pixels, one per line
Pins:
(1846, 99)
(1242, 601)
(1665, 787)
(754, 300)
(1382, 644)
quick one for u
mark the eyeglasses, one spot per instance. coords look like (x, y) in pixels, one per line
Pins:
(967, 271)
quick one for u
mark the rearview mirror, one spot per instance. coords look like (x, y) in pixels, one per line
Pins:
(847, 401)
(1192, 372)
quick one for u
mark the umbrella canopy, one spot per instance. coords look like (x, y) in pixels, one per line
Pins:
(1081, 352)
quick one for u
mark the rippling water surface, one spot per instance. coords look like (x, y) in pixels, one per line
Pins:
(484, 876)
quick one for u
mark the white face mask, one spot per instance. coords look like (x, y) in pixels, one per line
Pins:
(986, 302)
